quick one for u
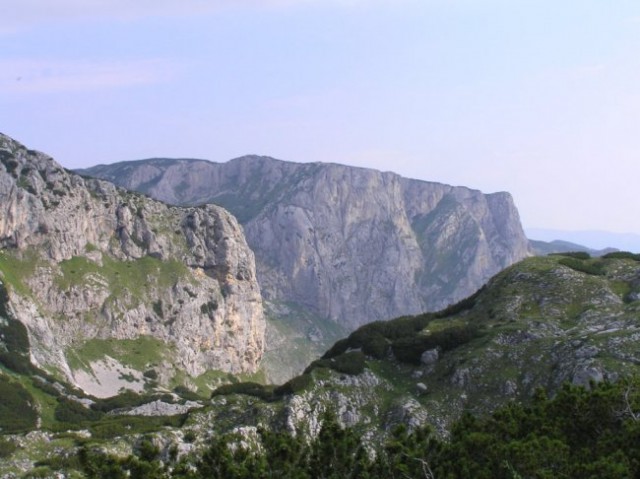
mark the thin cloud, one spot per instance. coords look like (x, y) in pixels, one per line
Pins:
(44, 76)
(28, 13)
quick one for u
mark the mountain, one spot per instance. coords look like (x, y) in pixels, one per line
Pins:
(347, 244)
(118, 290)
(540, 323)
(542, 248)
(594, 239)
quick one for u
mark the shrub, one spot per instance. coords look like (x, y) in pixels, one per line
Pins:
(581, 266)
(622, 255)
(13, 333)
(573, 254)
(293, 386)
(157, 308)
(72, 412)
(248, 388)
(410, 349)
(17, 407)
(186, 393)
(190, 436)
(45, 386)
(17, 363)
(462, 305)
(377, 346)
(352, 363)
(7, 447)
(338, 348)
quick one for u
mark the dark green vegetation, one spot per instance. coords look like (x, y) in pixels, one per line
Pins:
(622, 255)
(14, 340)
(408, 337)
(579, 433)
(17, 411)
(582, 262)
(267, 393)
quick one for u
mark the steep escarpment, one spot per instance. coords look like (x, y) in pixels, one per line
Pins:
(349, 244)
(110, 283)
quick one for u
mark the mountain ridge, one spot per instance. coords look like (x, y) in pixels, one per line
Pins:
(263, 192)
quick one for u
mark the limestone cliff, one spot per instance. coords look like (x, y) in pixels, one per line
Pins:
(350, 244)
(99, 274)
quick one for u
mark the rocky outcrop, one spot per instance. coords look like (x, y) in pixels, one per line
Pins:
(84, 260)
(349, 244)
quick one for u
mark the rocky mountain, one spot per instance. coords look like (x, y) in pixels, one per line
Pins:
(542, 248)
(348, 244)
(118, 290)
(540, 323)
(595, 239)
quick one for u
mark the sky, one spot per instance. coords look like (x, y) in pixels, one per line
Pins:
(540, 98)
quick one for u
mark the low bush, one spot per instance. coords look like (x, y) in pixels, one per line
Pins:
(573, 254)
(186, 393)
(622, 255)
(410, 349)
(352, 363)
(7, 447)
(17, 363)
(69, 411)
(595, 269)
(462, 305)
(377, 338)
(294, 385)
(17, 407)
(247, 388)
(45, 386)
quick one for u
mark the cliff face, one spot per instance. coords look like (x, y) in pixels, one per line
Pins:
(88, 265)
(350, 244)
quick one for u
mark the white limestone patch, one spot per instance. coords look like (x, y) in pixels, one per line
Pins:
(107, 378)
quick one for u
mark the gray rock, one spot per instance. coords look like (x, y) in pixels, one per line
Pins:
(160, 408)
(350, 244)
(430, 356)
(510, 388)
(583, 375)
(205, 304)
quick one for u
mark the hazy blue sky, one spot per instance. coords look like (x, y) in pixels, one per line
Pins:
(540, 98)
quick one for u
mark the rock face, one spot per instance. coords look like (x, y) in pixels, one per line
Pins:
(87, 265)
(350, 244)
